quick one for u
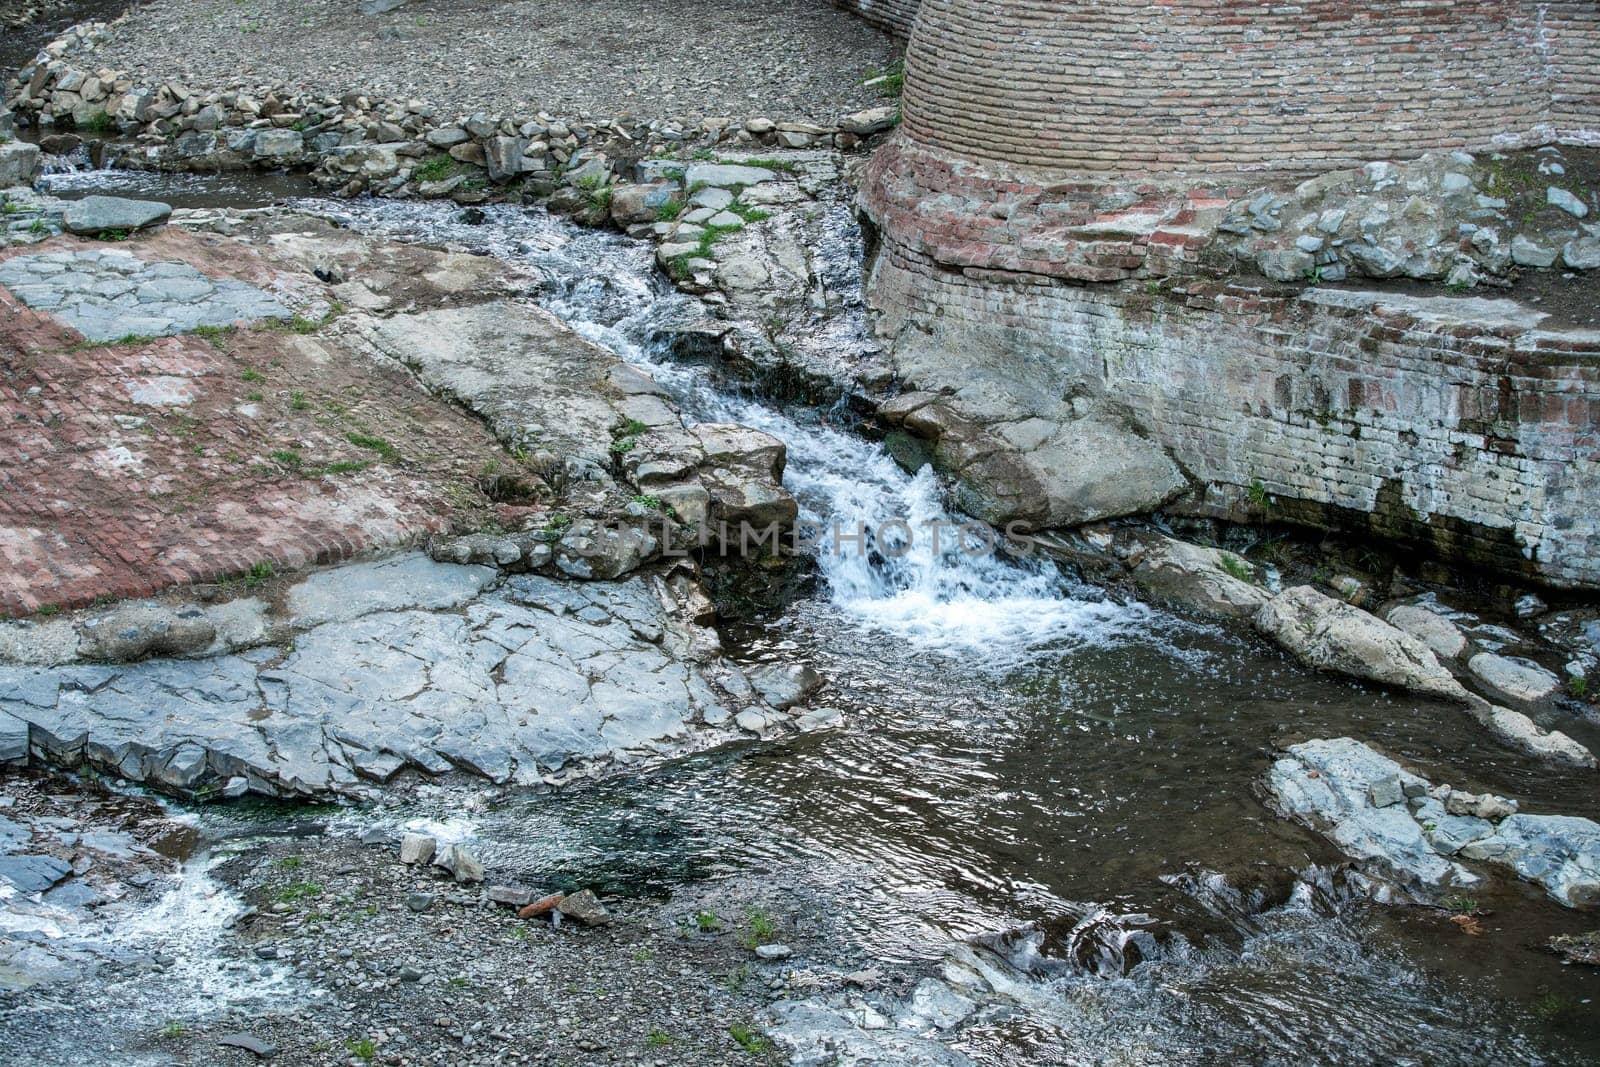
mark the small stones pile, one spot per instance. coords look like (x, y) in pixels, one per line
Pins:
(360, 144)
(1455, 218)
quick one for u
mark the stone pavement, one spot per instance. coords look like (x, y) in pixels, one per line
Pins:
(107, 294)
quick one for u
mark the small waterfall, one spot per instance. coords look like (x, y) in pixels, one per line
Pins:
(895, 558)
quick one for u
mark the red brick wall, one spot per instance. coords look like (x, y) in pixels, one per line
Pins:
(1571, 33)
(1120, 85)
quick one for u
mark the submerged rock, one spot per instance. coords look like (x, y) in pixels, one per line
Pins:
(1517, 681)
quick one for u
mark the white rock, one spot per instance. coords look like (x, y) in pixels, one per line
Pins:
(1330, 635)
(417, 848)
(1433, 630)
(1515, 680)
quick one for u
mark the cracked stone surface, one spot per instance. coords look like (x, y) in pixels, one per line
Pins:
(513, 684)
(106, 294)
(1406, 829)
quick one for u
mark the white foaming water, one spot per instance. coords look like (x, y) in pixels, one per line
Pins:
(894, 557)
(996, 609)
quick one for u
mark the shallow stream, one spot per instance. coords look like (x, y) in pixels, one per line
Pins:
(1023, 752)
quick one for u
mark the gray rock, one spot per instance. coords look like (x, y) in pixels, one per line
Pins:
(419, 902)
(516, 896)
(1386, 791)
(1433, 630)
(1527, 252)
(1520, 732)
(279, 145)
(417, 848)
(447, 136)
(774, 952)
(1207, 580)
(785, 685)
(1559, 852)
(33, 874)
(1582, 253)
(1330, 635)
(461, 863)
(633, 204)
(94, 214)
(1328, 785)
(410, 580)
(379, 7)
(586, 908)
(1559, 197)
(249, 1042)
(503, 157)
(1516, 681)
(726, 175)
(19, 162)
(13, 741)
(872, 120)
(136, 630)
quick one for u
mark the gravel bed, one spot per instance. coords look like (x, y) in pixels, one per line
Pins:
(785, 59)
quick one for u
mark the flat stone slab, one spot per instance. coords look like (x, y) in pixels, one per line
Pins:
(512, 685)
(97, 214)
(109, 294)
(409, 581)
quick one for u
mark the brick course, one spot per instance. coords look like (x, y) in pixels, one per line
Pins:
(1208, 85)
(896, 16)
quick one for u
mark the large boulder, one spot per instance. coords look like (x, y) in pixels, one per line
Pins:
(1208, 580)
(1041, 472)
(743, 472)
(1334, 636)
(96, 214)
(18, 163)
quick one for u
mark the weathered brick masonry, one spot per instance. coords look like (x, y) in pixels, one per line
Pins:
(1201, 84)
(1058, 160)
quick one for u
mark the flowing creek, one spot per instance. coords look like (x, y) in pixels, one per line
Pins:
(1029, 762)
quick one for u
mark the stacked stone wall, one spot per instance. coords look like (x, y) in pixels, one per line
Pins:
(1119, 85)
(896, 16)
(1476, 441)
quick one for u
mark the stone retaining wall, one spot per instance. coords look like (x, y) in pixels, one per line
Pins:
(1117, 85)
(896, 16)
(1460, 427)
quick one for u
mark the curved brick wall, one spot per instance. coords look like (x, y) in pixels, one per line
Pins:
(1125, 85)
(896, 16)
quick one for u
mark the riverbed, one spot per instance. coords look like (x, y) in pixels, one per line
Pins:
(1026, 762)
